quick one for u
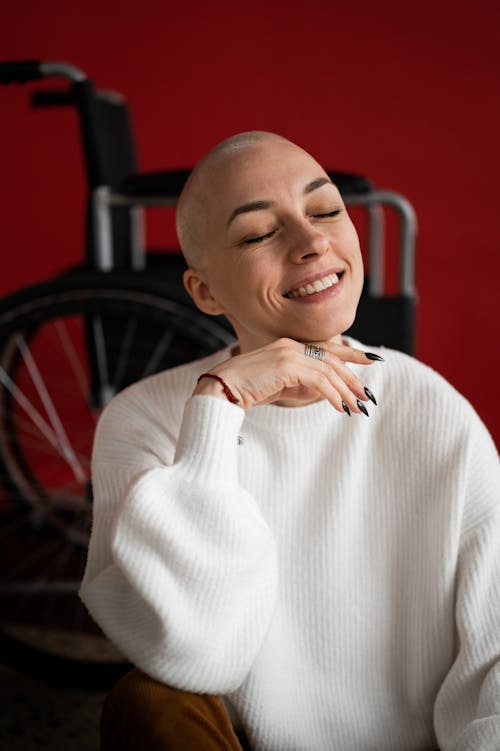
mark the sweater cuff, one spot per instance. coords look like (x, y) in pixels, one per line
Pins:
(208, 440)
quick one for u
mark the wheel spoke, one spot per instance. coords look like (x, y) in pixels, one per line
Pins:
(33, 441)
(62, 437)
(29, 408)
(158, 352)
(106, 389)
(125, 350)
(73, 359)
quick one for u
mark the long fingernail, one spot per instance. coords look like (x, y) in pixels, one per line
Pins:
(346, 409)
(362, 407)
(372, 356)
(370, 395)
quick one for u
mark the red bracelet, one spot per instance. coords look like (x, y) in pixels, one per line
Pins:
(227, 391)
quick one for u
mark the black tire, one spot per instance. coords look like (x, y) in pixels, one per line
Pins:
(65, 348)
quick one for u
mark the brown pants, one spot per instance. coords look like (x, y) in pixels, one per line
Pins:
(140, 713)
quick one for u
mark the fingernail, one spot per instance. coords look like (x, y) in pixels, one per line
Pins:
(346, 409)
(372, 356)
(362, 407)
(370, 395)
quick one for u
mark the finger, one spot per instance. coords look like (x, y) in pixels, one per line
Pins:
(346, 352)
(339, 388)
(320, 381)
(342, 377)
(349, 354)
(299, 369)
(349, 389)
(350, 379)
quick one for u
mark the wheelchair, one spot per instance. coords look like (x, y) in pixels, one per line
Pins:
(68, 344)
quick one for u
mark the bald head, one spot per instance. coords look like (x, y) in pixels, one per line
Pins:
(259, 218)
(200, 192)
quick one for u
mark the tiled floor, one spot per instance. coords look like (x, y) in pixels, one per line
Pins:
(35, 715)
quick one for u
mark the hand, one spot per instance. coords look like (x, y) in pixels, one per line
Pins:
(282, 371)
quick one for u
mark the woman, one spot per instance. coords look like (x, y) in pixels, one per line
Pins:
(333, 579)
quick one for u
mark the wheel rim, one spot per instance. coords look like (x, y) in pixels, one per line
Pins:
(61, 359)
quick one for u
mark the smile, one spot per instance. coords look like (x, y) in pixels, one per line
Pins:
(317, 286)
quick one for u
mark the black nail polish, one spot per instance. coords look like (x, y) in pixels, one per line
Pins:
(346, 409)
(370, 395)
(372, 356)
(362, 407)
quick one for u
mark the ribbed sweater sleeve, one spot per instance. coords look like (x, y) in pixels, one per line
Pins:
(182, 567)
(467, 709)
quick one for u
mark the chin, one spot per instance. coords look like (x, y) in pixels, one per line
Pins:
(324, 331)
(322, 328)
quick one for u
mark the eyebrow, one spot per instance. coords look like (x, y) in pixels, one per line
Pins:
(263, 205)
(246, 207)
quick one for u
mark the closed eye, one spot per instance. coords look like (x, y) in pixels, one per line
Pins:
(333, 213)
(259, 239)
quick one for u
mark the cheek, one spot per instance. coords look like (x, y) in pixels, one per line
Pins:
(259, 271)
(352, 242)
(351, 235)
(236, 283)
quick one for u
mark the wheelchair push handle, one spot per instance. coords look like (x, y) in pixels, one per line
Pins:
(23, 71)
(20, 71)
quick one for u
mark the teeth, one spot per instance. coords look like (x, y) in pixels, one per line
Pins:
(317, 286)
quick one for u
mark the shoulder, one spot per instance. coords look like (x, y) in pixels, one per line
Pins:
(427, 432)
(151, 410)
(413, 382)
(420, 406)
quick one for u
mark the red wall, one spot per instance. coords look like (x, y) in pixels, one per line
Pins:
(405, 93)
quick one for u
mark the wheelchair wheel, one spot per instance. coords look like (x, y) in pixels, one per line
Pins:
(65, 350)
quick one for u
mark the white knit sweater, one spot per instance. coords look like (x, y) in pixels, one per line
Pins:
(337, 579)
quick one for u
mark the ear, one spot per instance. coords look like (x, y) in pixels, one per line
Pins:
(197, 287)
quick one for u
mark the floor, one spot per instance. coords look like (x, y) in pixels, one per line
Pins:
(35, 715)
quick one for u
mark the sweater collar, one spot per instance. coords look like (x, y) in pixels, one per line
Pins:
(318, 416)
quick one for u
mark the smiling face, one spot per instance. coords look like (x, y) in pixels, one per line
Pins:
(280, 256)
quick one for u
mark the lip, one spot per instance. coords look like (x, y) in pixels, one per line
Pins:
(314, 278)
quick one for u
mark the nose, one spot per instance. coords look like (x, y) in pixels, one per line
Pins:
(307, 243)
